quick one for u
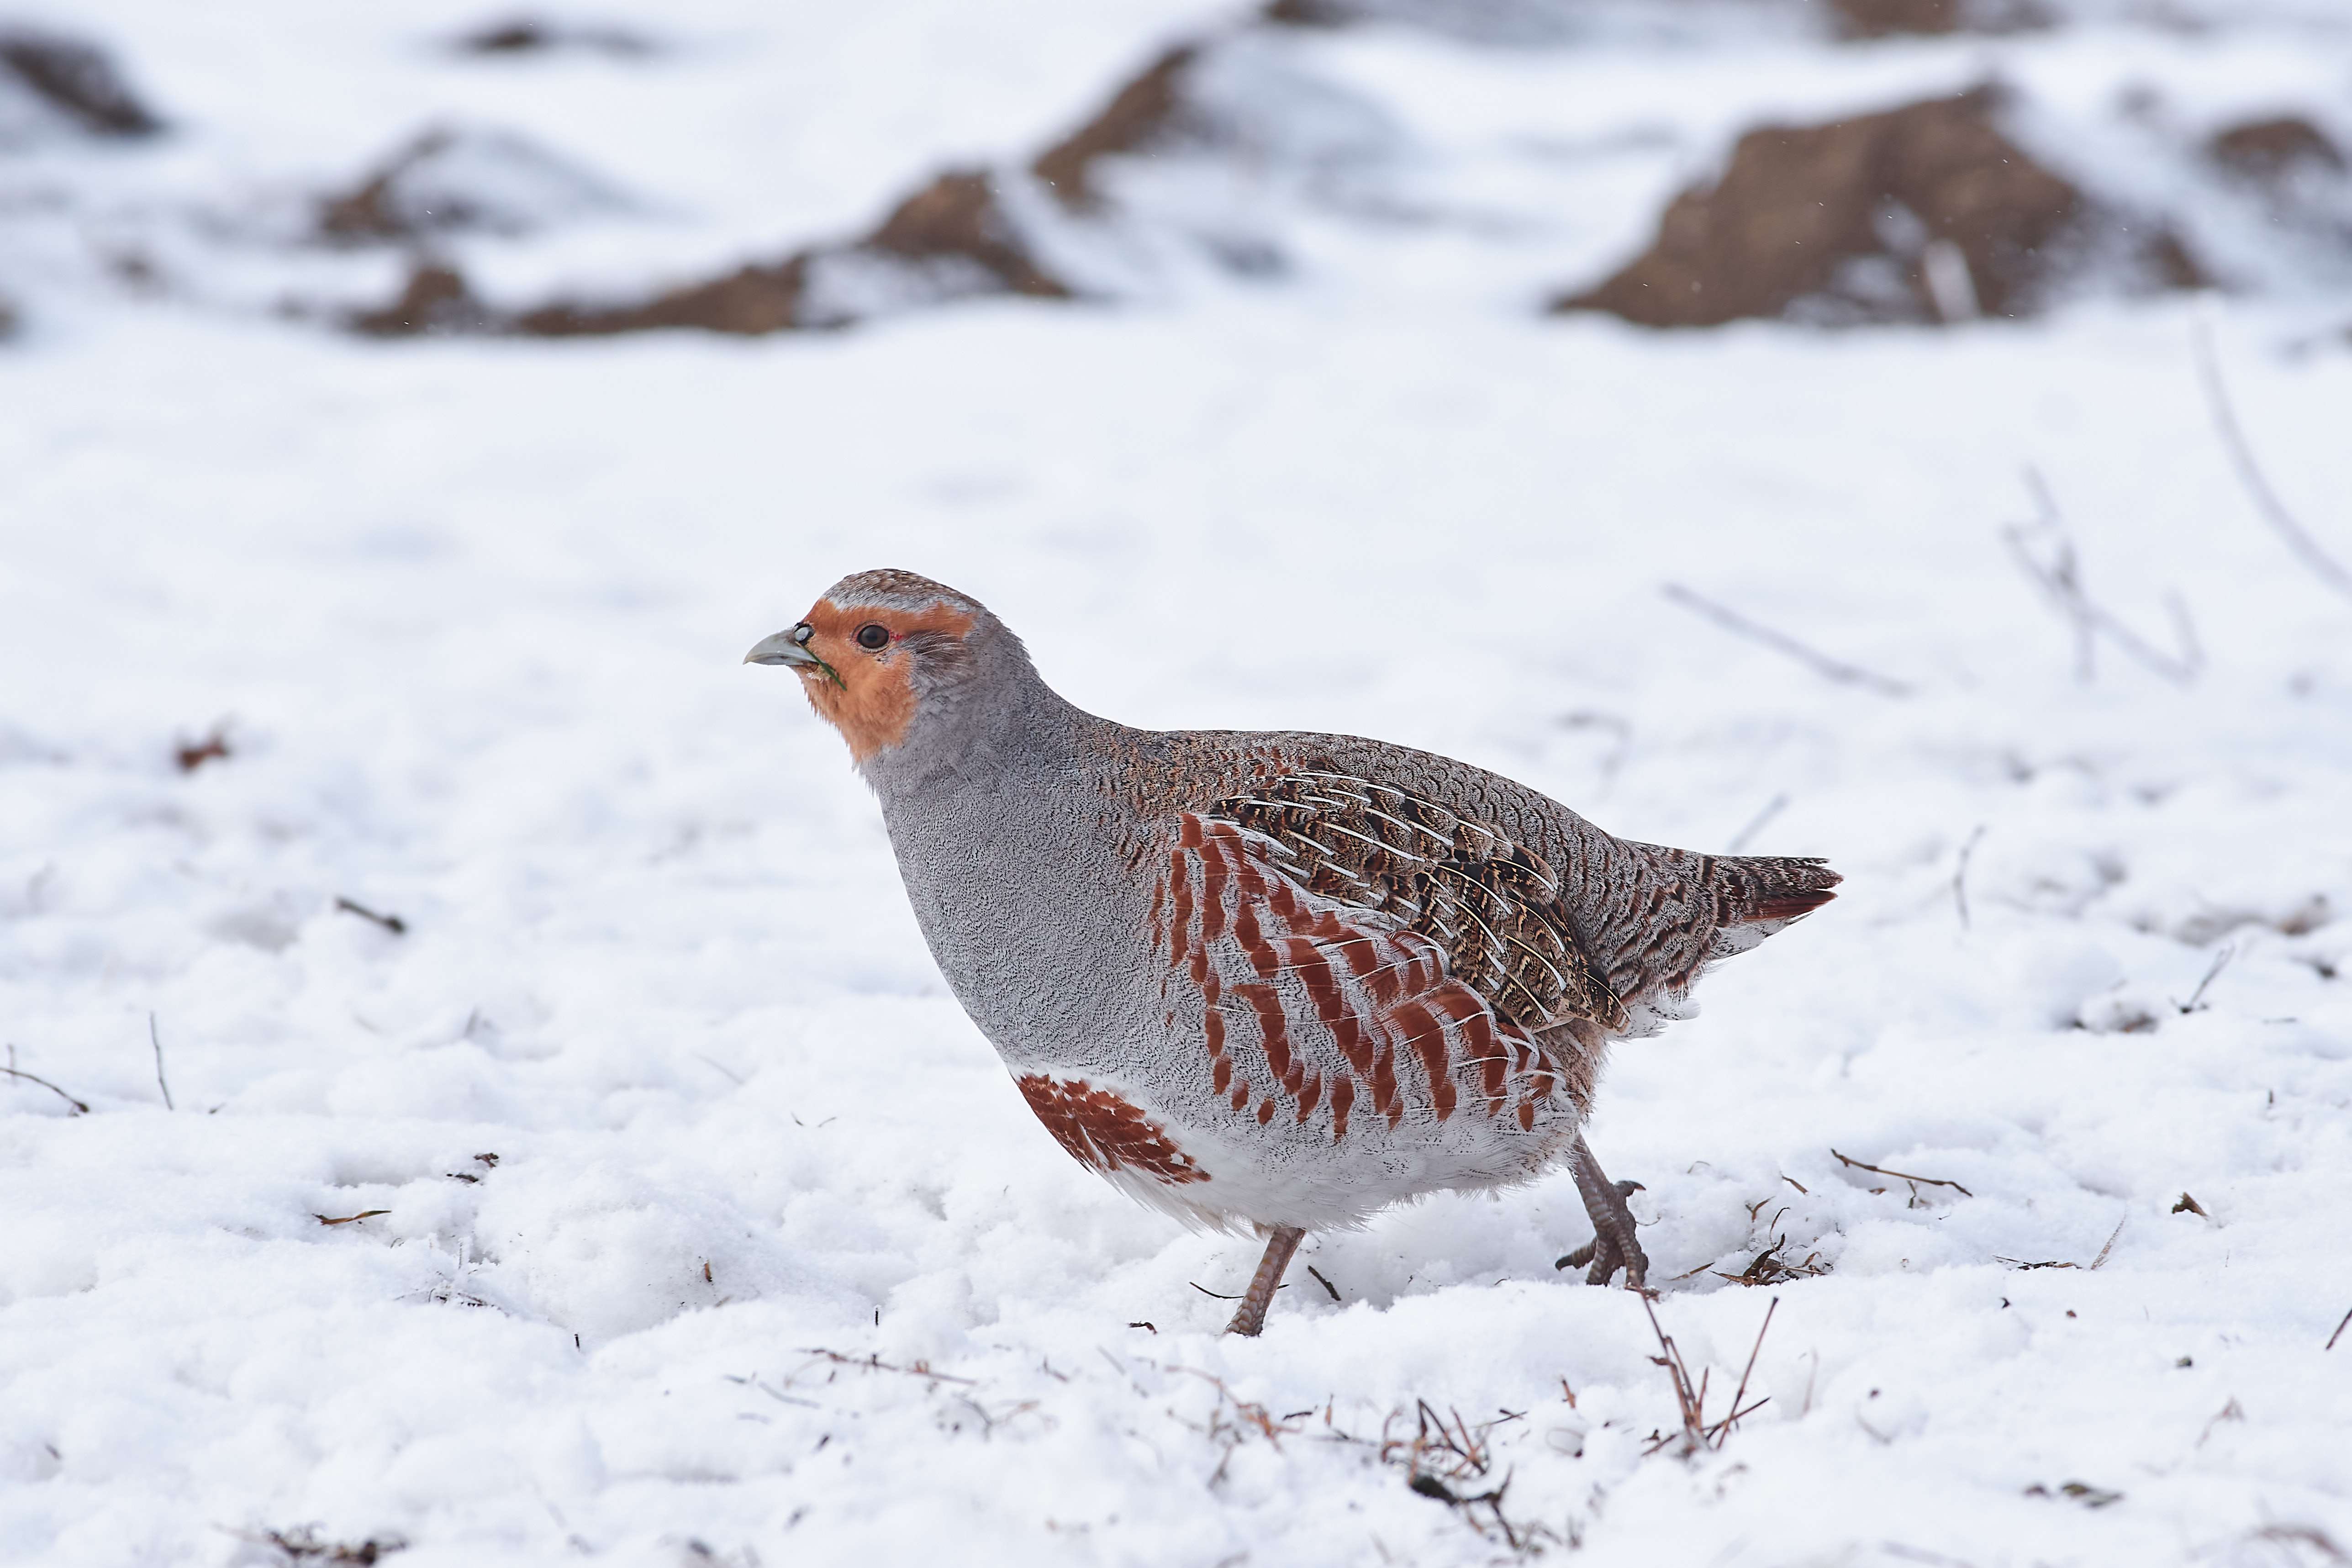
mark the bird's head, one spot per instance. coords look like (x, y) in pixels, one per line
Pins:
(885, 653)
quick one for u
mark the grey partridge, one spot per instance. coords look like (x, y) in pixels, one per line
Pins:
(1268, 980)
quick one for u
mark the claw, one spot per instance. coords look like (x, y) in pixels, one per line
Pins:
(1614, 1245)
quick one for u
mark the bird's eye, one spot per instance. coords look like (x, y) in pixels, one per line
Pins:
(802, 633)
(873, 636)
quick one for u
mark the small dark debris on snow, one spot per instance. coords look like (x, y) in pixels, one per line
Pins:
(487, 1159)
(1892, 19)
(2265, 151)
(77, 80)
(193, 754)
(1146, 110)
(540, 35)
(350, 1218)
(2190, 1206)
(1928, 213)
(1327, 1285)
(2082, 1492)
(303, 1545)
(392, 923)
(1769, 1267)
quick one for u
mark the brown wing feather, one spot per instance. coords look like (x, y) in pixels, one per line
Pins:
(1491, 904)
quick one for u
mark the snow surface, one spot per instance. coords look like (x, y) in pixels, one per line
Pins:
(773, 1264)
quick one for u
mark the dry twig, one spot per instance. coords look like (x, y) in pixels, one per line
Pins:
(2059, 578)
(2338, 1335)
(2196, 1002)
(1690, 1398)
(875, 1363)
(303, 1545)
(392, 923)
(157, 1041)
(1960, 876)
(1820, 663)
(1903, 1175)
(2306, 548)
(1772, 808)
(81, 1107)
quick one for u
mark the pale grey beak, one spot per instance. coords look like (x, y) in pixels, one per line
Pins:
(783, 648)
(790, 648)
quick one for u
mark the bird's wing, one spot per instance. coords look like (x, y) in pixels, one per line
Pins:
(1492, 904)
(1359, 948)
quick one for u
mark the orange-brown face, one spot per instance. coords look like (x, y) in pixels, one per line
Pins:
(857, 665)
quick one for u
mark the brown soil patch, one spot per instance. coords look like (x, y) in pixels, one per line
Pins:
(1895, 18)
(958, 214)
(1915, 194)
(434, 300)
(76, 79)
(2269, 150)
(1146, 110)
(746, 302)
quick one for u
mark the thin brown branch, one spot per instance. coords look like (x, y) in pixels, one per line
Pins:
(392, 923)
(875, 1363)
(2060, 579)
(157, 1041)
(2112, 1236)
(1960, 876)
(2341, 1325)
(1326, 1285)
(1772, 808)
(1723, 1428)
(2306, 548)
(1903, 1175)
(1820, 663)
(81, 1107)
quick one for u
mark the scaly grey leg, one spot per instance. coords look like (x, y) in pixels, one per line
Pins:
(1614, 1245)
(1260, 1295)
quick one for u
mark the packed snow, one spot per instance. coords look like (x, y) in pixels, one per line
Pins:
(477, 1090)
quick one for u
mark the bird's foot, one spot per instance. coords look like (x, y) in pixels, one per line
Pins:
(1614, 1245)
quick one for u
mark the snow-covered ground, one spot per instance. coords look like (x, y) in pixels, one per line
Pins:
(701, 1227)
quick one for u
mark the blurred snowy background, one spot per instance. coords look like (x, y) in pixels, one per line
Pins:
(475, 1091)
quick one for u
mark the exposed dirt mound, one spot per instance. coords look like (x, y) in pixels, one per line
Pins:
(1924, 213)
(434, 300)
(1146, 110)
(958, 216)
(951, 239)
(76, 80)
(2267, 151)
(1893, 18)
(747, 302)
(452, 180)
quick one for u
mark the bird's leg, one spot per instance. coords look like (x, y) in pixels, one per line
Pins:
(1613, 1246)
(1260, 1295)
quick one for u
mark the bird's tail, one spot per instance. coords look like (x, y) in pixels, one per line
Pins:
(1771, 889)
